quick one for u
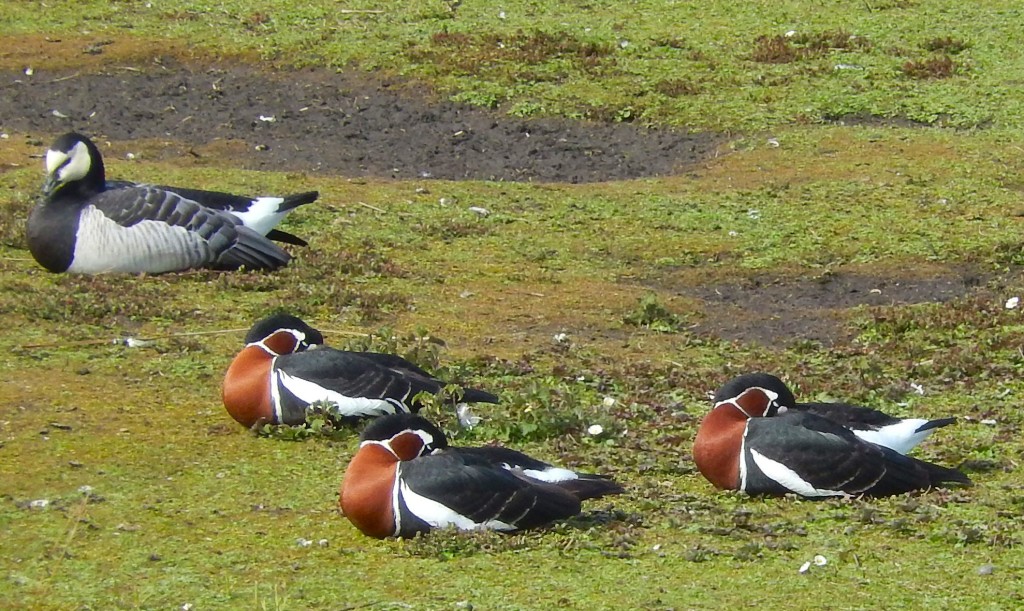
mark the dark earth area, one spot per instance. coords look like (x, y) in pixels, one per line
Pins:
(352, 125)
(318, 120)
(771, 310)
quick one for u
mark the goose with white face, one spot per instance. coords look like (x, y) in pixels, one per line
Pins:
(82, 225)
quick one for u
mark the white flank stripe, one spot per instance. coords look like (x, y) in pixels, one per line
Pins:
(439, 516)
(262, 215)
(743, 460)
(901, 437)
(275, 390)
(102, 245)
(395, 496)
(310, 392)
(552, 475)
(787, 477)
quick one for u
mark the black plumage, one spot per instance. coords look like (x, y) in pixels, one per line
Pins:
(830, 459)
(486, 487)
(484, 494)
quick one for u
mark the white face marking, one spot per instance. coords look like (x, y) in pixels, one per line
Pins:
(438, 515)
(300, 338)
(311, 392)
(787, 477)
(55, 159)
(425, 436)
(69, 171)
(735, 401)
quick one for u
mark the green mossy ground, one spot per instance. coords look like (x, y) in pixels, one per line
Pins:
(185, 508)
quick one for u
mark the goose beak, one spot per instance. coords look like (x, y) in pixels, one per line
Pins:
(51, 185)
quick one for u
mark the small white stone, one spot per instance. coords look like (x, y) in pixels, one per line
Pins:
(791, 34)
(1012, 303)
(268, 118)
(186, 607)
(129, 156)
(595, 430)
(29, 71)
(623, 44)
(303, 542)
(479, 210)
(989, 421)
(805, 567)
(501, 15)
(608, 401)
(323, 543)
(40, 504)
(560, 338)
(733, 234)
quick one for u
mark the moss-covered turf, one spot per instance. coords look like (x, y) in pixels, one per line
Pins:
(879, 138)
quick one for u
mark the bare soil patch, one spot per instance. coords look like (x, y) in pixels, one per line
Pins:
(320, 120)
(776, 310)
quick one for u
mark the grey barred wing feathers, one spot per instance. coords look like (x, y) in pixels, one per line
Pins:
(146, 229)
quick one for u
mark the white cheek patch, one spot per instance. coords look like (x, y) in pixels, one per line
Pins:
(439, 516)
(311, 392)
(54, 159)
(787, 477)
(77, 167)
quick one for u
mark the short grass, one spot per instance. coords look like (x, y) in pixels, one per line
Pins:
(125, 485)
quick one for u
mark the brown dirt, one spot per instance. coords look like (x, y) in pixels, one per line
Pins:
(319, 120)
(773, 310)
